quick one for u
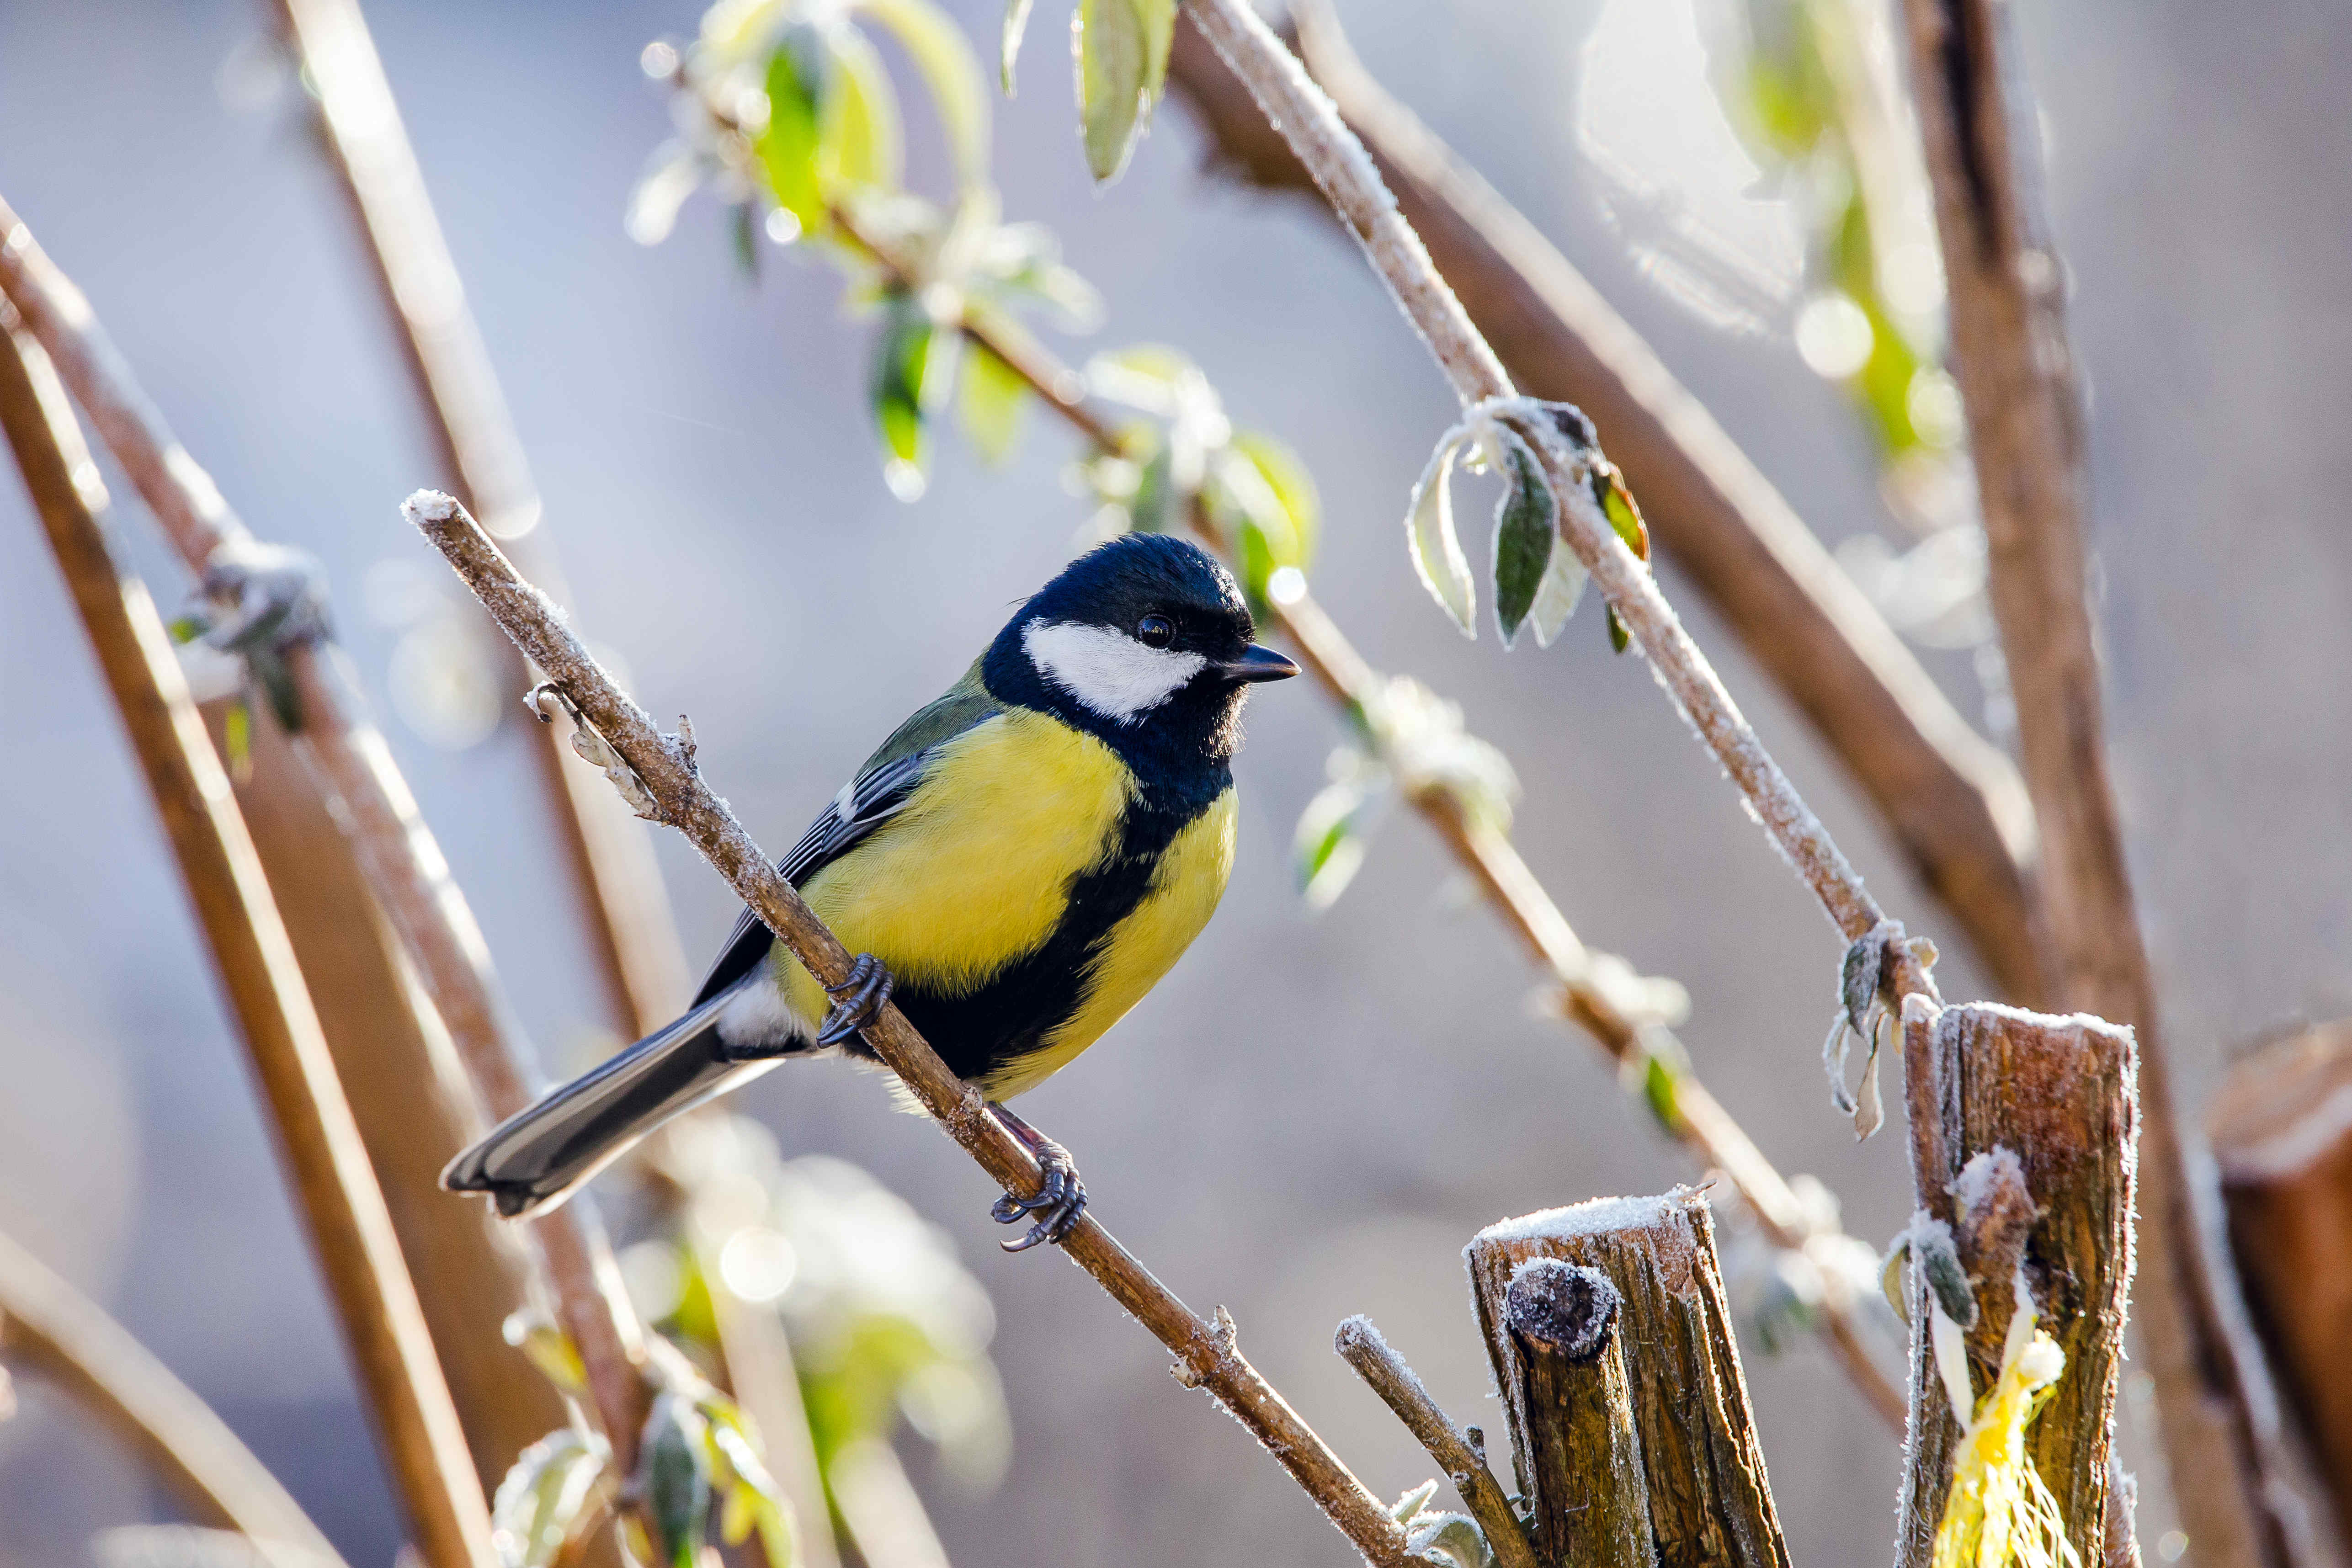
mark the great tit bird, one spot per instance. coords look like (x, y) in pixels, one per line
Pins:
(1016, 866)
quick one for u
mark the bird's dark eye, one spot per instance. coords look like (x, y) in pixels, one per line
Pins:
(1155, 630)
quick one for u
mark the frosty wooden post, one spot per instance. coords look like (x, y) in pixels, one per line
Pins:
(2281, 1134)
(1684, 1414)
(2042, 1115)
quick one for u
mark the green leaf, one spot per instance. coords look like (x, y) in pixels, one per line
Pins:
(673, 1478)
(549, 1349)
(991, 398)
(1661, 1088)
(1618, 638)
(545, 1501)
(905, 373)
(861, 145)
(1113, 49)
(1328, 847)
(1435, 547)
(1159, 38)
(1617, 504)
(951, 71)
(188, 628)
(788, 147)
(1558, 596)
(1292, 490)
(1153, 510)
(237, 737)
(1016, 22)
(1526, 522)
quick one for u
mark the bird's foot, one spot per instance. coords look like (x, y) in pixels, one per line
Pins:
(1061, 1195)
(856, 1001)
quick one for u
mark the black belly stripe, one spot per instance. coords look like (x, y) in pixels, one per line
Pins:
(980, 1031)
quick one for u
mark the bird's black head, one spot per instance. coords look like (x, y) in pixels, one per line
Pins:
(1144, 642)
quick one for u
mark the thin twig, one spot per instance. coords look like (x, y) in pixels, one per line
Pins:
(1511, 886)
(1385, 1372)
(1951, 800)
(2011, 356)
(608, 851)
(1207, 1355)
(1311, 125)
(357, 1249)
(395, 849)
(50, 1328)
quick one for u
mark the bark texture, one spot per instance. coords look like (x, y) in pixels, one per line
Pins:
(1702, 1468)
(2061, 1096)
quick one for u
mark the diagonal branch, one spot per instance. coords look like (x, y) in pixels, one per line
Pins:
(1511, 886)
(354, 767)
(1312, 126)
(349, 1229)
(1206, 1351)
(53, 1329)
(2015, 369)
(1951, 801)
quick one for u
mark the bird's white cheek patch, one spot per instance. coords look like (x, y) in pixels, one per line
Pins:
(1110, 671)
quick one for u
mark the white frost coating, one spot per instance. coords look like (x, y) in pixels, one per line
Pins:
(1594, 1217)
(1110, 671)
(1995, 1168)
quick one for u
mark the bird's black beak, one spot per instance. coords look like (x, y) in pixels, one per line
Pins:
(1259, 664)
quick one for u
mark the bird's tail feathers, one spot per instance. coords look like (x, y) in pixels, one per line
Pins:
(539, 1155)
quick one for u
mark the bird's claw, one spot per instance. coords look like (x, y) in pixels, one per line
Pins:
(856, 1001)
(1061, 1195)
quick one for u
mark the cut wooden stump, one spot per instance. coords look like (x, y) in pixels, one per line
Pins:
(2281, 1134)
(2060, 1097)
(1702, 1479)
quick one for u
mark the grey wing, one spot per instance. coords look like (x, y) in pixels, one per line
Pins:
(880, 792)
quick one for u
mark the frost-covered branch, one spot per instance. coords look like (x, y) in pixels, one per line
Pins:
(1385, 1372)
(1600, 1005)
(1311, 125)
(1206, 1351)
(404, 865)
(1948, 797)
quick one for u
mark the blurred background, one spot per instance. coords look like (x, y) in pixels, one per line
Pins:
(1312, 1115)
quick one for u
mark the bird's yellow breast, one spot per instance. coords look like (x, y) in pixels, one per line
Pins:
(1190, 880)
(975, 869)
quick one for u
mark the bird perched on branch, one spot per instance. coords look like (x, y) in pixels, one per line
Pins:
(1016, 866)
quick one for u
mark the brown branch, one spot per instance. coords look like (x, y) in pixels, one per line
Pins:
(1952, 802)
(1206, 1353)
(354, 764)
(49, 1327)
(401, 1073)
(2281, 1125)
(350, 1228)
(1591, 1498)
(2009, 355)
(1709, 1500)
(1344, 172)
(1511, 886)
(1360, 1344)
(2042, 1115)
(359, 125)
